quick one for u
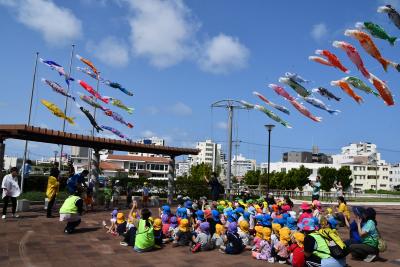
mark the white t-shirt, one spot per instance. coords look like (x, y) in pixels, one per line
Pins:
(11, 184)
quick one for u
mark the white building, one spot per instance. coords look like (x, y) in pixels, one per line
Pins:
(10, 162)
(150, 167)
(357, 153)
(394, 175)
(369, 176)
(210, 153)
(240, 165)
(182, 168)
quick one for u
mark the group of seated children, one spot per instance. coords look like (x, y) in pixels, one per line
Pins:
(274, 233)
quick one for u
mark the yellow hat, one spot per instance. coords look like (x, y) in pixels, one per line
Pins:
(244, 226)
(259, 231)
(222, 202)
(120, 218)
(323, 222)
(184, 225)
(284, 235)
(157, 225)
(329, 210)
(276, 227)
(219, 229)
(267, 233)
(230, 204)
(299, 237)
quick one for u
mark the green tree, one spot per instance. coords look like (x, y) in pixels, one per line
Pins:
(278, 180)
(252, 177)
(328, 178)
(302, 177)
(290, 180)
(198, 172)
(343, 175)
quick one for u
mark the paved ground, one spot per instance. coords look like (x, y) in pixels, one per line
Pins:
(33, 240)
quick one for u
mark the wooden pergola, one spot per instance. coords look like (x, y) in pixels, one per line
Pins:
(43, 135)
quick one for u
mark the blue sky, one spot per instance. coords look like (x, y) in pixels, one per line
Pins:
(178, 57)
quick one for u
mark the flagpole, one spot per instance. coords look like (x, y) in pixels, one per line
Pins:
(29, 122)
(66, 101)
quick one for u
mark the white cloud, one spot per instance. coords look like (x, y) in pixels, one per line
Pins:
(223, 54)
(161, 31)
(222, 125)
(58, 25)
(110, 51)
(319, 32)
(180, 109)
(151, 110)
(148, 133)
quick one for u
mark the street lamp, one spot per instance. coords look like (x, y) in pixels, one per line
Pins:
(269, 128)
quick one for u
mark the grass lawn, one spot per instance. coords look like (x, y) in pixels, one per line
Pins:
(358, 199)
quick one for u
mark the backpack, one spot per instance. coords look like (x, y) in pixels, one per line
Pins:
(337, 248)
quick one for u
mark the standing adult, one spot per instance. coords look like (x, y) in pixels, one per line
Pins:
(52, 189)
(71, 212)
(368, 249)
(11, 191)
(339, 189)
(316, 188)
(27, 168)
(77, 181)
(145, 194)
(215, 186)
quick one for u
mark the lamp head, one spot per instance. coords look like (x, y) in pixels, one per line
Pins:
(269, 126)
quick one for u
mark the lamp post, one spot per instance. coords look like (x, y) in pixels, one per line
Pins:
(269, 128)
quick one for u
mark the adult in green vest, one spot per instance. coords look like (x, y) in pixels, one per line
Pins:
(71, 212)
(368, 249)
(316, 250)
(144, 240)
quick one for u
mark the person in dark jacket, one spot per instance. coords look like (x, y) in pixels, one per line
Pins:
(215, 186)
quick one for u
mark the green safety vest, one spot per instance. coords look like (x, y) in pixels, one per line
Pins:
(322, 250)
(69, 206)
(144, 236)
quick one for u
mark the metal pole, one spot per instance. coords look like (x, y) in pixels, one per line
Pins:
(66, 102)
(228, 171)
(376, 177)
(269, 157)
(29, 122)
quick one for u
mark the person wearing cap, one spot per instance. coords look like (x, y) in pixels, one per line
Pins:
(264, 251)
(244, 234)
(296, 250)
(121, 223)
(234, 244)
(317, 209)
(281, 248)
(219, 236)
(216, 187)
(353, 228)
(145, 194)
(307, 212)
(113, 227)
(144, 240)
(71, 212)
(158, 233)
(183, 236)
(77, 182)
(11, 191)
(202, 242)
(316, 250)
(368, 249)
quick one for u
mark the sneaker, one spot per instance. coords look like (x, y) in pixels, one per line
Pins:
(3, 217)
(15, 215)
(271, 260)
(157, 246)
(370, 258)
(282, 262)
(104, 223)
(122, 243)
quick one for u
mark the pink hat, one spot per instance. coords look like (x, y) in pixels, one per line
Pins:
(286, 208)
(305, 206)
(317, 203)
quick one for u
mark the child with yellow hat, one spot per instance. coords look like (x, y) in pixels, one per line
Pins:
(183, 236)
(258, 238)
(219, 237)
(296, 250)
(243, 232)
(158, 234)
(281, 248)
(275, 233)
(265, 250)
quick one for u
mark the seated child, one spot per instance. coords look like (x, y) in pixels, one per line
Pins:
(121, 224)
(276, 227)
(234, 244)
(183, 236)
(281, 248)
(296, 250)
(219, 236)
(244, 233)
(173, 227)
(202, 242)
(291, 224)
(307, 212)
(112, 229)
(258, 238)
(165, 225)
(265, 250)
(317, 209)
(158, 234)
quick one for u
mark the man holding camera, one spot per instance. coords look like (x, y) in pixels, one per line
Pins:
(316, 188)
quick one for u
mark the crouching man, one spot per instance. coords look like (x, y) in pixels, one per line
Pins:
(71, 212)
